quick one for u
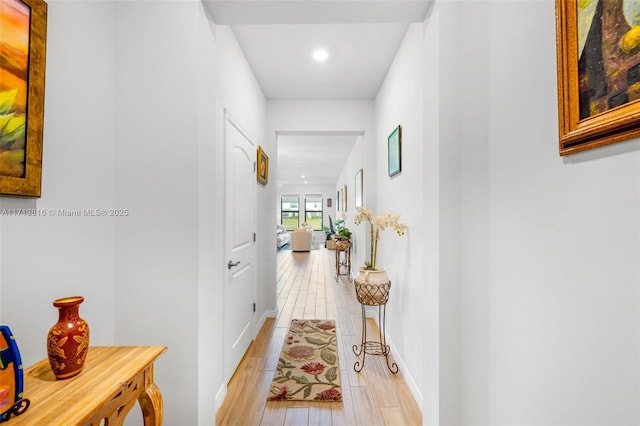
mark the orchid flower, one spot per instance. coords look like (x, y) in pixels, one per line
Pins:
(377, 224)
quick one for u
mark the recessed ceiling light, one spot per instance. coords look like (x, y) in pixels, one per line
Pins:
(302, 176)
(305, 182)
(320, 55)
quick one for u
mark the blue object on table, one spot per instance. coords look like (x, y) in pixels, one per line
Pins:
(11, 377)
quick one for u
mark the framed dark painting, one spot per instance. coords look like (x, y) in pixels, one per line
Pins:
(263, 167)
(22, 68)
(394, 147)
(598, 58)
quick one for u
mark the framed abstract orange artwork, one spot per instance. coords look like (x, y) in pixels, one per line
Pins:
(22, 68)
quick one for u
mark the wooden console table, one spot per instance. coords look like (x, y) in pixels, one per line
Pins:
(112, 380)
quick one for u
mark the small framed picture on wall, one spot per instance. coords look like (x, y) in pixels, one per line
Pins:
(358, 188)
(394, 146)
(262, 172)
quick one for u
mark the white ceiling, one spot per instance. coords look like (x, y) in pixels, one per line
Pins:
(359, 57)
(312, 156)
(278, 38)
(242, 12)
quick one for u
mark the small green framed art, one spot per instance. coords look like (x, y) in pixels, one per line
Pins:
(394, 147)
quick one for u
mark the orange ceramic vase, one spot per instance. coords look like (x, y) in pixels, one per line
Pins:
(68, 339)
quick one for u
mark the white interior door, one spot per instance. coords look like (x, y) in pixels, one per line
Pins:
(239, 289)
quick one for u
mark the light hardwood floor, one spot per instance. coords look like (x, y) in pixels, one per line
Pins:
(307, 290)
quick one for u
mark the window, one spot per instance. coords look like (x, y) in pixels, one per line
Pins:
(313, 211)
(290, 212)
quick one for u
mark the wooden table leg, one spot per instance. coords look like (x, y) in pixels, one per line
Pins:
(150, 401)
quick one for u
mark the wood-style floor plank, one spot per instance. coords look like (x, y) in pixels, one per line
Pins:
(297, 416)
(343, 413)
(274, 414)
(392, 416)
(320, 414)
(367, 414)
(274, 349)
(307, 289)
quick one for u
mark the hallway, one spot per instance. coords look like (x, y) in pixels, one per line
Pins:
(307, 290)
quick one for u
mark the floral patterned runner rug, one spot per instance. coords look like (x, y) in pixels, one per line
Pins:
(308, 365)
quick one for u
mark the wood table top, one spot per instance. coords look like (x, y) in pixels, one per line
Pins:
(107, 371)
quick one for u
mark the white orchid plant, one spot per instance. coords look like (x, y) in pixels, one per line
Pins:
(377, 224)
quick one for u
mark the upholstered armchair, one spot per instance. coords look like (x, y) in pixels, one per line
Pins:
(301, 240)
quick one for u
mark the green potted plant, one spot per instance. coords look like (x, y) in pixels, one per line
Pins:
(344, 234)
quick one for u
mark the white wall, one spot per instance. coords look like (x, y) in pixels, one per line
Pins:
(361, 157)
(320, 115)
(240, 93)
(548, 247)
(44, 258)
(400, 102)
(157, 179)
(436, 376)
(210, 216)
(170, 171)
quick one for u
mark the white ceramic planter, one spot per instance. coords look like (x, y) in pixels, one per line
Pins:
(372, 286)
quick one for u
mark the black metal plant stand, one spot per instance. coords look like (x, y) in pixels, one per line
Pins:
(373, 295)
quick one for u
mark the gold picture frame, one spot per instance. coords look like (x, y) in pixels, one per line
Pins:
(22, 71)
(344, 198)
(262, 170)
(598, 75)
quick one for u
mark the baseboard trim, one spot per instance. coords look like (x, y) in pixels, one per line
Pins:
(406, 373)
(222, 392)
(266, 314)
(397, 358)
(220, 395)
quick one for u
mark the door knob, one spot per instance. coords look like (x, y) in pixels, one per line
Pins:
(232, 264)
